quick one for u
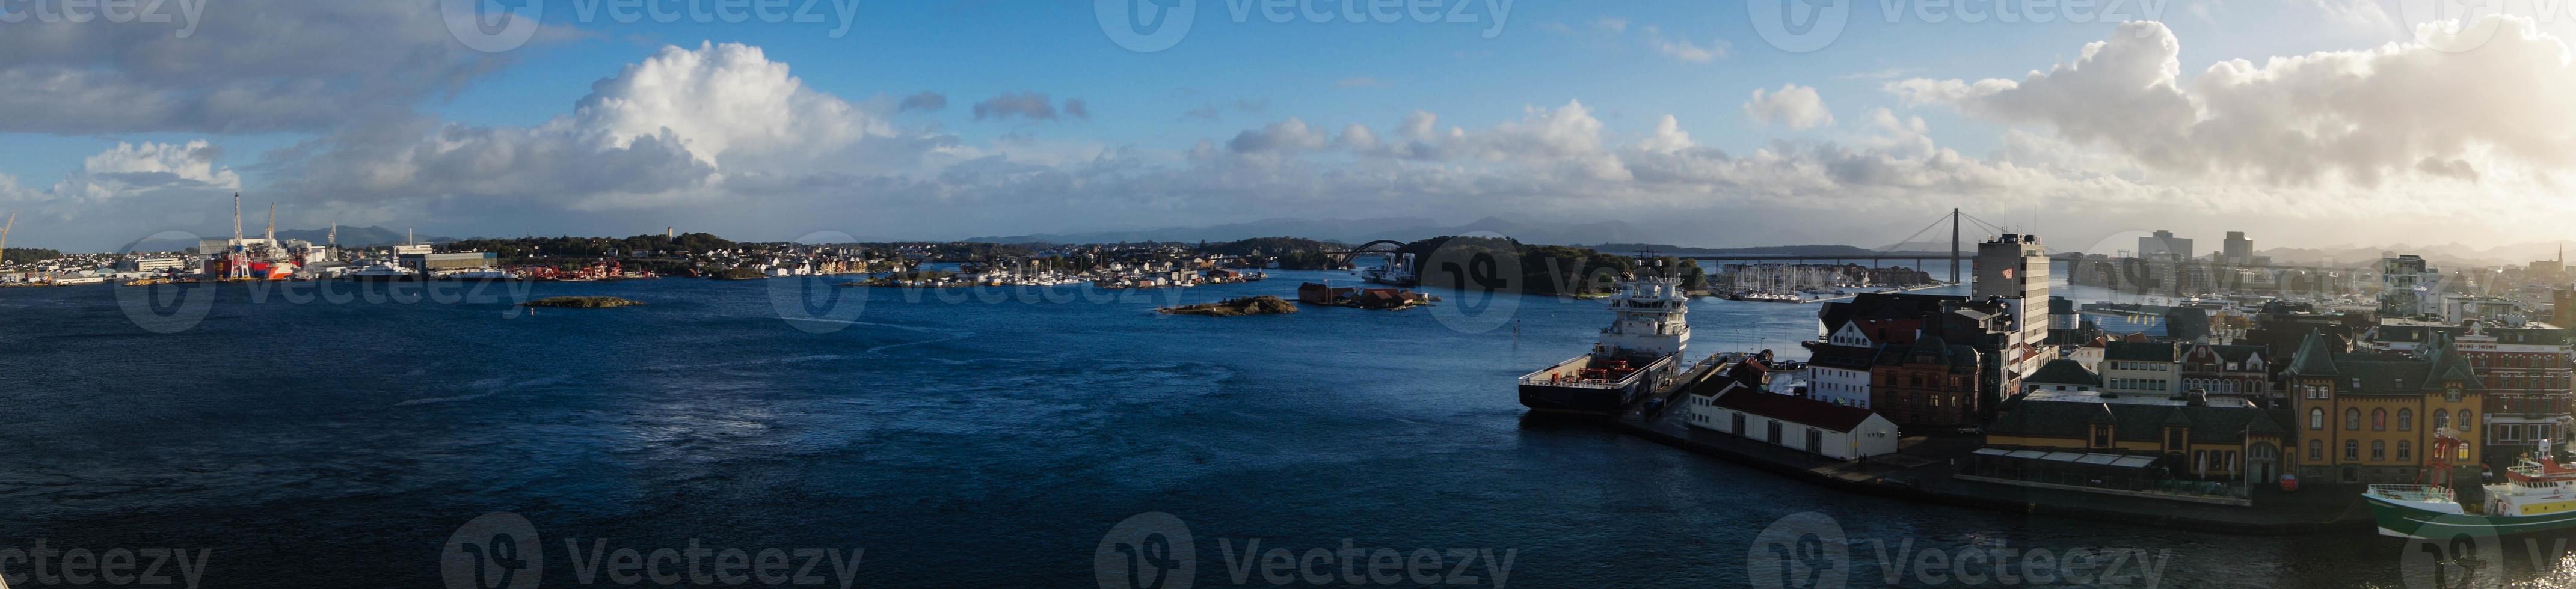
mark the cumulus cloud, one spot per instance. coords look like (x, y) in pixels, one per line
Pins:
(2360, 118)
(1798, 107)
(249, 66)
(131, 169)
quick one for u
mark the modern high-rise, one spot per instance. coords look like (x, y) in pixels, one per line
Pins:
(2408, 287)
(2163, 244)
(2237, 250)
(2014, 268)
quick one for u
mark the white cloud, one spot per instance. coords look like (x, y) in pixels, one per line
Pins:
(1682, 48)
(1798, 107)
(2401, 112)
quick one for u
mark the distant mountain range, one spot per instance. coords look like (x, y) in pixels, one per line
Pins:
(1352, 231)
(349, 237)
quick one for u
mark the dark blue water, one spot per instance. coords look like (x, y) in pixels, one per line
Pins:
(961, 443)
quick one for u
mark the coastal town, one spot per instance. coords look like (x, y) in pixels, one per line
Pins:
(2222, 391)
(2438, 400)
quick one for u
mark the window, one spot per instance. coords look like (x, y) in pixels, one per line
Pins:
(2465, 421)
(2317, 418)
(2378, 450)
(2352, 418)
(2379, 420)
(2441, 418)
(2405, 450)
(2352, 449)
(2405, 421)
(2101, 436)
(2317, 450)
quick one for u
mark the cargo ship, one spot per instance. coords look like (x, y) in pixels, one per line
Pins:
(1639, 352)
(2537, 496)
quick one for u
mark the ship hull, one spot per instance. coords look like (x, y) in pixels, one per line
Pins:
(1579, 401)
(2405, 521)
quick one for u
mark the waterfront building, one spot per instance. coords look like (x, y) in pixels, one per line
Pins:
(2062, 376)
(2228, 371)
(2369, 417)
(1930, 383)
(2525, 368)
(1816, 427)
(2013, 268)
(1840, 374)
(2145, 369)
(2156, 439)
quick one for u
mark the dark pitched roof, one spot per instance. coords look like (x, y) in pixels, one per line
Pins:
(1883, 306)
(2064, 372)
(2315, 357)
(1844, 357)
(1796, 410)
(2139, 351)
(2136, 422)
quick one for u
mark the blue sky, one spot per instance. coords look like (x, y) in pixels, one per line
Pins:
(381, 115)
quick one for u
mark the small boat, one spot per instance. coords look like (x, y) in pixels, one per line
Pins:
(484, 275)
(382, 272)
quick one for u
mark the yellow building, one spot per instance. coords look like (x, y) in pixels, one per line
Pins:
(2370, 418)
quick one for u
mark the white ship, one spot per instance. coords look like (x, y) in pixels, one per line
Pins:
(1640, 351)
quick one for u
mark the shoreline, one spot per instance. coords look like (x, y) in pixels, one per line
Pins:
(1928, 482)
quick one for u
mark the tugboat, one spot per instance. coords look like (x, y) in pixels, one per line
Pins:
(2537, 496)
(1639, 351)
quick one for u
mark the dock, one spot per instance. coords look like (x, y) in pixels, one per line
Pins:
(1921, 471)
